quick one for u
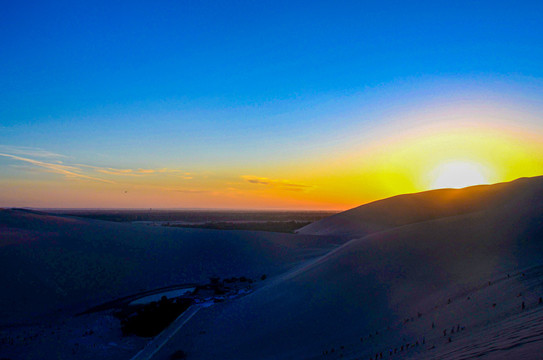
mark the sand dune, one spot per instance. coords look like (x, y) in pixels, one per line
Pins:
(380, 285)
(445, 274)
(412, 208)
(51, 262)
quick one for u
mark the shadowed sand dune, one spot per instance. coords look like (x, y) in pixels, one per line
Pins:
(439, 249)
(52, 262)
(448, 274)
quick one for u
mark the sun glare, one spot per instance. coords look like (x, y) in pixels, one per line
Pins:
(458, 174)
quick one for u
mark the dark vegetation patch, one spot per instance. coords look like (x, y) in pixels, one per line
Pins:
(149, 320)
(272, 226)
(195, 216)
(121, 302)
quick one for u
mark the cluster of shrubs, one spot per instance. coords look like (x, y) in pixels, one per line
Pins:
(271, 226)
(215, 286)
(235, 280)
(151, 319)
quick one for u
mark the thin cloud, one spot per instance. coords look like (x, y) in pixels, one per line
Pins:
(137, 172)
(29, 151)
(192, 191)
(133, 172)
(66, 170)
(117, 172)
(282, 184)
(183, 174)
(254, 180)
(28, 156)
(121, 172)
(181, 190)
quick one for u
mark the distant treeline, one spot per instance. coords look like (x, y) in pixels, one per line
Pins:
(196, 216)
(272, 226)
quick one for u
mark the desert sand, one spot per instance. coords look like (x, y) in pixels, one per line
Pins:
(444, 274)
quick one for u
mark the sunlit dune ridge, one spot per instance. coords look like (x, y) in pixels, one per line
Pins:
(424, 206)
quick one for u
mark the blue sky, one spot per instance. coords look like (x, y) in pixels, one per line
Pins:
(61, 58)
(230, 84)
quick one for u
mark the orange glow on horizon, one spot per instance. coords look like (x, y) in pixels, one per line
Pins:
(445, 154)
(429, 157)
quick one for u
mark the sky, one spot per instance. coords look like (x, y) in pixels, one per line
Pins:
(264, 104)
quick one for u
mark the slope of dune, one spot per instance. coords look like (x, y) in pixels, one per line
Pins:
(469, 273)
(53, 262)
(445, 274)
(412, 208)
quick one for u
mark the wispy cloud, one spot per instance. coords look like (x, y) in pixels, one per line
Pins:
(125, 172)
(66, 170)
(180, 173)
(34, 159)
(282, 184)
(29, 151)
(182, 190)
(138, 172)
(192, 191)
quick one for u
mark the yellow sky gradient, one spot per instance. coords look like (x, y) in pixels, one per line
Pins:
(355, 173)
(407, 163)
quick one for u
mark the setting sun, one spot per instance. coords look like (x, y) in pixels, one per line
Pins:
(458, 174)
